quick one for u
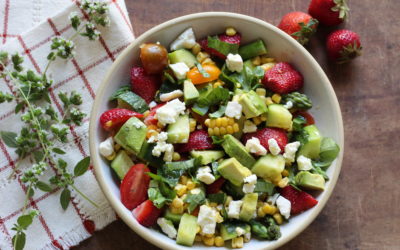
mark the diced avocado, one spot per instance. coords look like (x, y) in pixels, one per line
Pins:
(252, 104)
(279, 117)
(146, 155)
(234, 148)
(311, 147)
(131, 135)
(187, 230)
(232, 170)
(190, 93)
(178, 132)
(310, 181)
(228, 229)
(175, 218)
(249, 206)
(253, 49)
(182, 55)
(208, 156)
(121, 163)
(269, 166)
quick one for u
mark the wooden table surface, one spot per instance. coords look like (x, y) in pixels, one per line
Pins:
(364, 209)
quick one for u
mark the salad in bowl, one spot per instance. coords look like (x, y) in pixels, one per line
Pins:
(212, 141)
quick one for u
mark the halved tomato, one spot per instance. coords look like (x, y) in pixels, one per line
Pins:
(146, 213)
(134, 186)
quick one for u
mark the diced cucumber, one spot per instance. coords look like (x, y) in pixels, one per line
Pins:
(190, 93)
(182, 55)
(121, 164)
(187, 230)
(249, 206)
(208, 156)
(175, 218)
(253, 49)
(179, 131)
(312, 146)
(279, 117)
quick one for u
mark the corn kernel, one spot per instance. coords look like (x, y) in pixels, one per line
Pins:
(213, 204)
(285, 173)
(212, 123)
(222, 130)
(184, 179)
(231, 121)
(263, 117)
(208, 241)
(276, 98)
(190, 185)
(268, 101)
(277, 179)
(219, 242)
(257, 120)
(260, 204)
(117, 147)
(216, 131)
(256, 61)
(192, 123)
(224, 121)
(176, 156)
(260, 212)
(211, 131)
(196, 49)
(146, 113)
(151, 133)
(218, 122)
(208, 61)
(219, 218)
(230, 31)
(235, 127)
(217, 84)
(111, 157)
(278, 218)
(261, 91)
(235, 98)
(237, 242)
(198, 229)
(267, 66)
(208, 235)
(197, 238)
(229, 129)
(177, 202)
(269, 209)
(201, 56)
(266, 59)
(228, 200)
(283, 183)
(180, 189)
(177, 210)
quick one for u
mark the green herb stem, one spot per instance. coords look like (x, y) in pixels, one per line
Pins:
(84, 196)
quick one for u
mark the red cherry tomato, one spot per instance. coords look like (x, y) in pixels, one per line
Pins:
(146, 213)
(134, 186)
(150, 118)
(309, 118)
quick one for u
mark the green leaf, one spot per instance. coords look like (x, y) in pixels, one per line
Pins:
(38, 155)
(298, 123)
(156, 197)
(119, 91)
(9, 138)
(202, 71)
(43, 186)
(18, 107)
(200, 110)
(212, 96)
(137, 103)
(19, 240)
(218, 198)
(222, 47)
(31, 193)
(217, 140)
(263, 186)
(195, 199)
(58, 151)
(24, 221)
(65, 198)
(82, 166)
(220, 112)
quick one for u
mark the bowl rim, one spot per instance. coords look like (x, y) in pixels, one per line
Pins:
(116, 203)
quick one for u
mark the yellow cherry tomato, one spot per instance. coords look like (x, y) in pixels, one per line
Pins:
(197, 78)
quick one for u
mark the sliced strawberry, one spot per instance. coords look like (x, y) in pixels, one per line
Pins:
(134, 186)
(235, 39)
(146, 213)
(269, 133)
(300, 200)
(283, 78)
(198, 140)
(215, 187)
(115, 118)
(144, 85)
(151, 117)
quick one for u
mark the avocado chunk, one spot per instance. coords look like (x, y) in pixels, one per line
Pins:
(190, 93)
(232, 170)
(187, 230)
(312, 145)
(228, 229)
(178, 132)
(121, 164)
(207, 156)
(182, 55)
(310, 181)
(131, 135)
(279, 117)
(249, 206)
(253, 49)
(252, 104)
(146, 155)
(175, 218)
(234, 148)
(269, 166)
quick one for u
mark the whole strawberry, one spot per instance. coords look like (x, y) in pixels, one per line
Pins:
(198, 140)
(343, 46)
(144, 85)
(329, 12)
(235, 39)
(301, 26)
(283, 78)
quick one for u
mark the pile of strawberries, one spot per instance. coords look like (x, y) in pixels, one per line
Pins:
(341, 45)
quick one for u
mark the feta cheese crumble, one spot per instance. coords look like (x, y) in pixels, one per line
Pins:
(234, 209)
(290, 151)
(304, 163)
(234, 62)
(186, 40)
(167, 227)
(239, 231)
(233, 109)
(180, 69)
(168, 113)
(284, 206)
(288, 105)
(207, 219)
(106, 147)
(272, 199)
(152, 104)
(273, 146)
(162, 146)
(254, 146)
(249, 127)
(171, 95)
(249, 184)
(204, 175)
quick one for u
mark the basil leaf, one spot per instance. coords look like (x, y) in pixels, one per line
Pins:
(220, 112)
(214, 168)
(195, 199)
(9, 138)
(222, 47)
(298, 123)
(82, 166)
(172, 171)
(167, 87)
(263, 186)
(65, 198)
(43, 186)
(218, 198)
(156, 197)
(137, 103)
(217, 140)
(119, 91)
(211, 96)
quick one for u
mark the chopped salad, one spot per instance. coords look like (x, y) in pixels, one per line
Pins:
(212, 141)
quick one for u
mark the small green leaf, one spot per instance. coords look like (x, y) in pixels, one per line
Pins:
(9, 138)
(82, 166)
(43, 186)
(19, 241)
(31, 192)
(58, 151)
(18, 107)
(65, 198)
(24, 221)
(38, 155)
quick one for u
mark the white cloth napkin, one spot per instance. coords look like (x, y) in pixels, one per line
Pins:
(27, 27)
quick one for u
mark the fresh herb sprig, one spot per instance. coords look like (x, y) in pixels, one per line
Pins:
(43, 128)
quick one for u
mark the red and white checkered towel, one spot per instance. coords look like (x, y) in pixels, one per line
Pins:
(27, 28)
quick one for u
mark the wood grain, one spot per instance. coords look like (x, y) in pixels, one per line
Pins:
(363, 212)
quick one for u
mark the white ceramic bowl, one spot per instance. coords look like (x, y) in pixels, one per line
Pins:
(326, 109)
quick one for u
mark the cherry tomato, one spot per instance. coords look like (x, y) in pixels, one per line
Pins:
(154, 58)
(197, 78)
(309, 118)
(146, 213)
(134, 186)
(150, 118)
